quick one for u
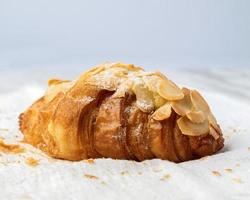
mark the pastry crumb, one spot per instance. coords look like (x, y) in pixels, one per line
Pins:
(32, 162)
(237, 165)
(228, 170)
(139, 173)
(165, 177)
(216, 173)
(90, 161)
(10, 148)
(124, 172)
(248, 148)
(90, 176)
(237, 180)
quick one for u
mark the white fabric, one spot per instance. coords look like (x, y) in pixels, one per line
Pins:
(121, 179)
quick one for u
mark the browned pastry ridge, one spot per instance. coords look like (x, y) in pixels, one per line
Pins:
(120, 111)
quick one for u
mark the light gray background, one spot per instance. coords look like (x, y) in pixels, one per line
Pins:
(171, 33)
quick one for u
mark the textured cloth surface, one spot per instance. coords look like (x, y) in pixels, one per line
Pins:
(225, 175)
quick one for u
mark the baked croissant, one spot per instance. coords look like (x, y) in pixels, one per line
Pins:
(120, 111)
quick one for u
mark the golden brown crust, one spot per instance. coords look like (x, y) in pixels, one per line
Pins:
(182, 146)
(109, 133)
(138, 133)
(95, 116)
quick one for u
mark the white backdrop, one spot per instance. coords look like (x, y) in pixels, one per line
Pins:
(153, 33)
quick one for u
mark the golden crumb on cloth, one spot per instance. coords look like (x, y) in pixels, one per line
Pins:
(216, 173)
(165, 177)
(10, 148)
(89, 176)
(32, 162)
(90, 161)
(228, 170)
(124, 173)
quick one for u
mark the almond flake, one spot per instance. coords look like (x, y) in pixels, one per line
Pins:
(163, 112)
(196, 116)
(169, 91)
(192, 129)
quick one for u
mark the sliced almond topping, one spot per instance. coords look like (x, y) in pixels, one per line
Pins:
(212, 120)
(183, 106)
(144, 74)
(151, 82)
(158, 100)
(192, 129)
(168, 90)
(93, 71)
(199, 102)
(196, 116)
(163, 112)
(56, 81)
(144, 98)
(213, 132)
(121, 73)
(161, 75)
(129, 67)
(90, 73)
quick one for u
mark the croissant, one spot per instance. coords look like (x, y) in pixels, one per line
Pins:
(119, 111)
